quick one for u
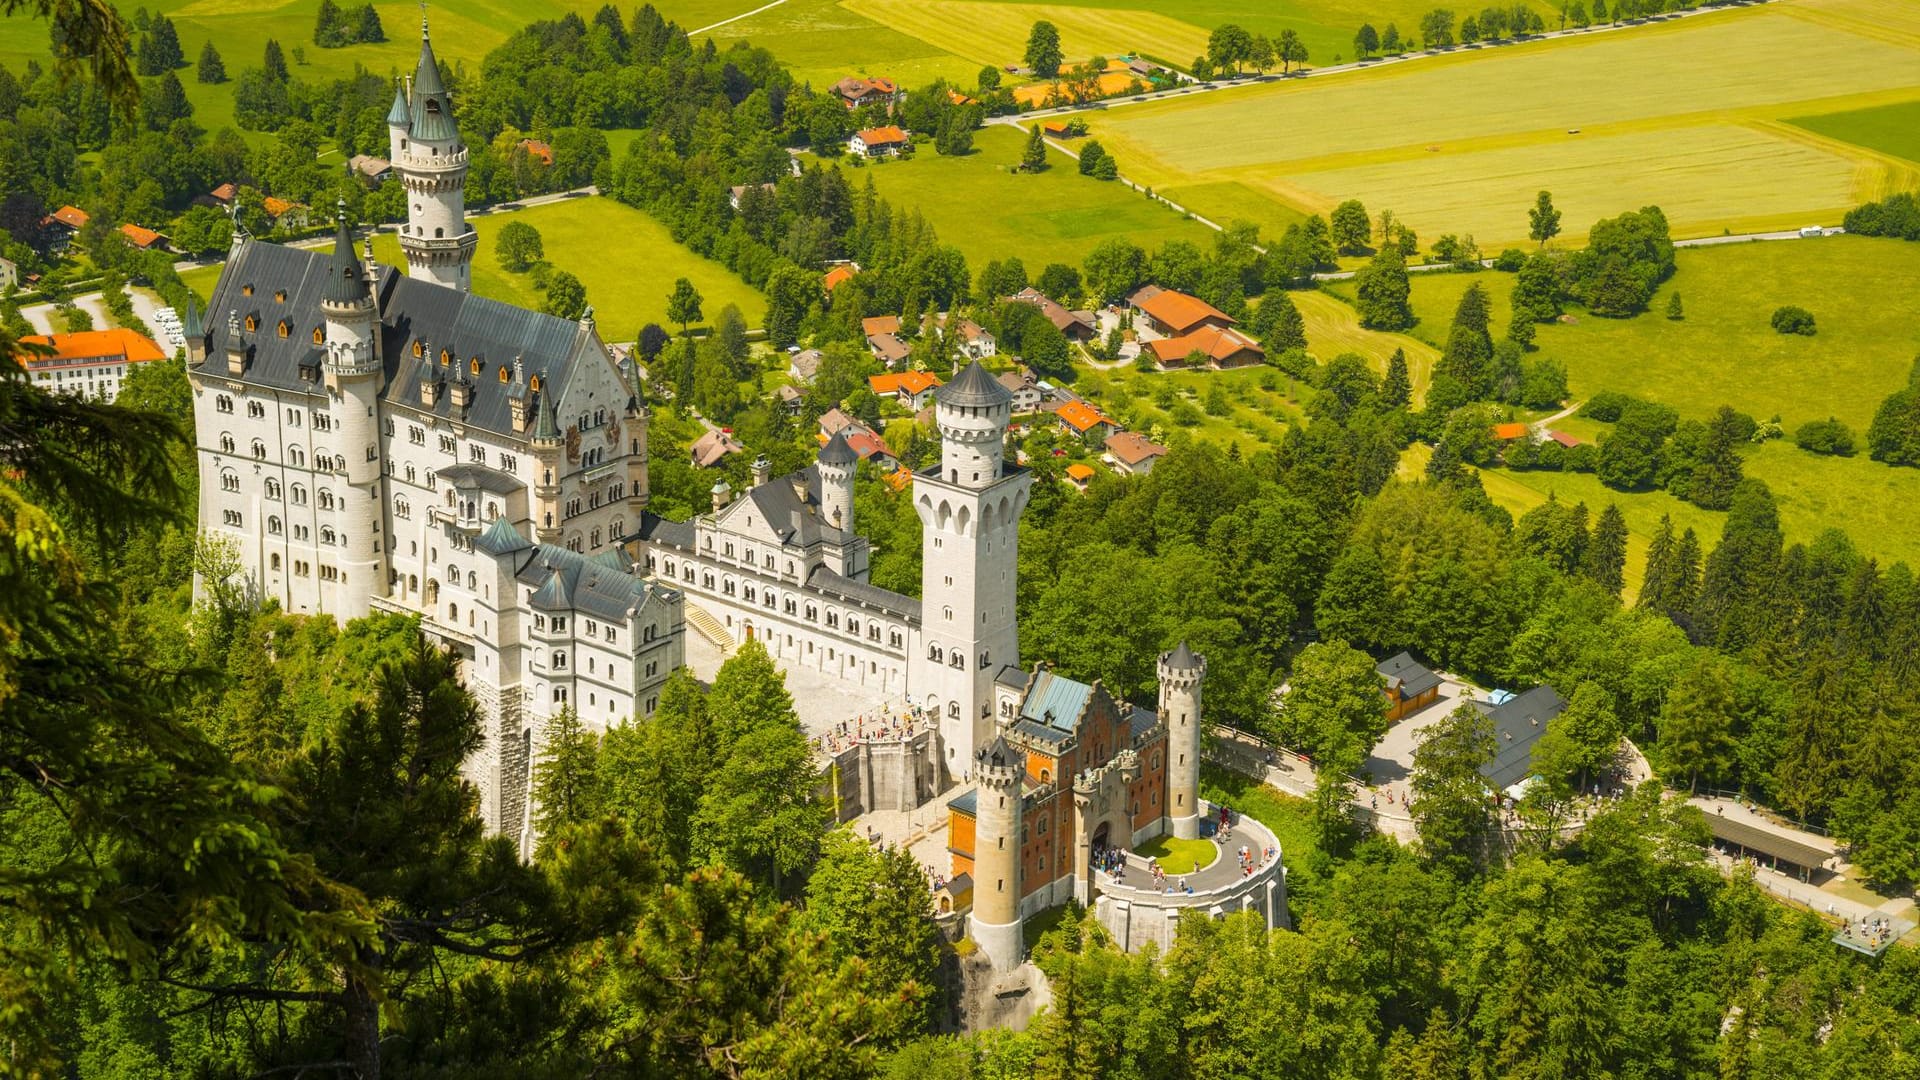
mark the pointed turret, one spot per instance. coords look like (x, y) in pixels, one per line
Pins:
(397, 114)
(346, 281)
(431, 161)
(194, 332)
(547, 428)
(432, 119)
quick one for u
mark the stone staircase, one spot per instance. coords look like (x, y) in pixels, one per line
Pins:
(710, 628)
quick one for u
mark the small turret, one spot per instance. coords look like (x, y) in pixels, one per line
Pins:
(762, 470)
(399, 122)
(722, 493)
(836, 464)
(195, 334)
(545, 444)
(520, 401)
(972, 412)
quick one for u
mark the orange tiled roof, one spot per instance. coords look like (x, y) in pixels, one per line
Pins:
(880, 324)
(1082, 473)
(1055, 127)
(1081, 416)
(72, 217)
(536, 148)
(116, 345)
(1505, 432)
(1180, 311)
(276, 207)
(224, 192)
(1219, 344)
(899, 479)
(838, 276)
(882, 135)
(141, 237)
(866, 444)
(913, 382)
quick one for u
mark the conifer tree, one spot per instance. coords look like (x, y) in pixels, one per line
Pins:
(211, 69)
(275, 62)
(1384, 292)
(1468, 356)
(1606, 557)
(1034, 157)
(566, 778)
(1674, 311)
(1396, 391)
(1656, 588)
(160, 49)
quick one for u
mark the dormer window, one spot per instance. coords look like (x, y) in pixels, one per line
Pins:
(474, 366)
(280, 296)
(419, 348)
(246, 290)
(446, 357)
(253, 322)
(503, 373)
(319, 336)
(285, 328)
(534, 382)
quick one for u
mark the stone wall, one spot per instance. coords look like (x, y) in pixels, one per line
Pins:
(891, 774)
(1135, 916)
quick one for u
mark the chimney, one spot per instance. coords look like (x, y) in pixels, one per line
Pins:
(722, 495)
(236, 346)
(462, 393)
(519, 400)
(430, 388)
(762, 470)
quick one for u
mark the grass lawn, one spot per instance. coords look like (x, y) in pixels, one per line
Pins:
(627, 282)
(1890, 129)
(1459, 143)
(822, 41)
(980, 205)
(1177, 856)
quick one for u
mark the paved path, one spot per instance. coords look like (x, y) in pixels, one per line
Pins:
(144, 305)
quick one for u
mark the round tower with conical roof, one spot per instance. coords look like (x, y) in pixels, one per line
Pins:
(836, 464)
(352, 367)
(1181, 672)
(994, 924)
(970, 506)
(432, 162)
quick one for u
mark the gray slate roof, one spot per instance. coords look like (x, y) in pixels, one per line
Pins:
(569, 581)
(481, 477)
(973, 388)
(1518, 723)
(501, 538)
(1182, 657)
(860, 592)
(468, 326)
(655, 529)
(837, 452)
(1410, 677)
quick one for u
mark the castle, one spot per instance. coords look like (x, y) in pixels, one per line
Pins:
(377, 441)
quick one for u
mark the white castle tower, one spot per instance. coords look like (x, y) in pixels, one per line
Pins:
(432, 162)
(1181, 673)
(352, 368)
(970, 507)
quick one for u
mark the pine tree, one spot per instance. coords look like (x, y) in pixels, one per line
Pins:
(276, 62)
(1469, 353)
(1656, 588)
(1033, 159)
(1396, 391)
(1384, 291)
(1285, 329)
(1683, 579)
(211, 69)
(566, 779)
(1674, 311)
(1606, 557)
(160, 48)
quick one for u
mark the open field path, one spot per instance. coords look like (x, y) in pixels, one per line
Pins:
(737, 18)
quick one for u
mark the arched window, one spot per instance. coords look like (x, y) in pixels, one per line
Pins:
(253, 322)
(226, 443)
(957, 659)
(273, 562)
(284, 328)
(319, 336)
(419, 348)
(273, 527)
(259, 450)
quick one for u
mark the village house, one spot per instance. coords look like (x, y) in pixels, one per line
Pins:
(1079, 476)
(875, 325)
(1510, 431)
(1411, 686)
(736, 191)
(855, 91)
(63, 224)
(1089, 423)
(1076, 325)
(837, 275)
(538, 150)
(804, 365)
(790, 398)
(90, 363)
(9, 274)
(1132, 454)
(712, 448)
(375, 169)
(835, 420)
(973, 340)
(1518, 722)
(912, 389)
(286, 215)
(143, 238)
(889, 349)
(1025, 390)
(870, 447)
(877, 142)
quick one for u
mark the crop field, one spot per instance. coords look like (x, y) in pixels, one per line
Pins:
(996, 33)
(627, 283)
(981, 206)
(1616, 120)
(1891, 129)
(822, 41)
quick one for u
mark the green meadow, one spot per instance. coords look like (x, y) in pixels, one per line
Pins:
(1891, 129)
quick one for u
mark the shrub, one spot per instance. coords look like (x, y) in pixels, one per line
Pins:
(1793, 320)
(1582, 458)
(1510, 260)
(1827, 436)
(1606, 406)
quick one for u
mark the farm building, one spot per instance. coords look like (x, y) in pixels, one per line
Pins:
(1222, 346)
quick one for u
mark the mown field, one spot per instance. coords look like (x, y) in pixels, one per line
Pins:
(1891, 129)
(627, 283)
(979, 204)
(1688, 113)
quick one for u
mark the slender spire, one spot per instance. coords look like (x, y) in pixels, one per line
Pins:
(397, 115)
(190, 323)
(547, 428)
(346, 283)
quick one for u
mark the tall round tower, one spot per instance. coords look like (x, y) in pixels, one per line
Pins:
(1181, 673)
(994, 923)
(352, 367)
(836, 464)
(432, 163)
(972, 414)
